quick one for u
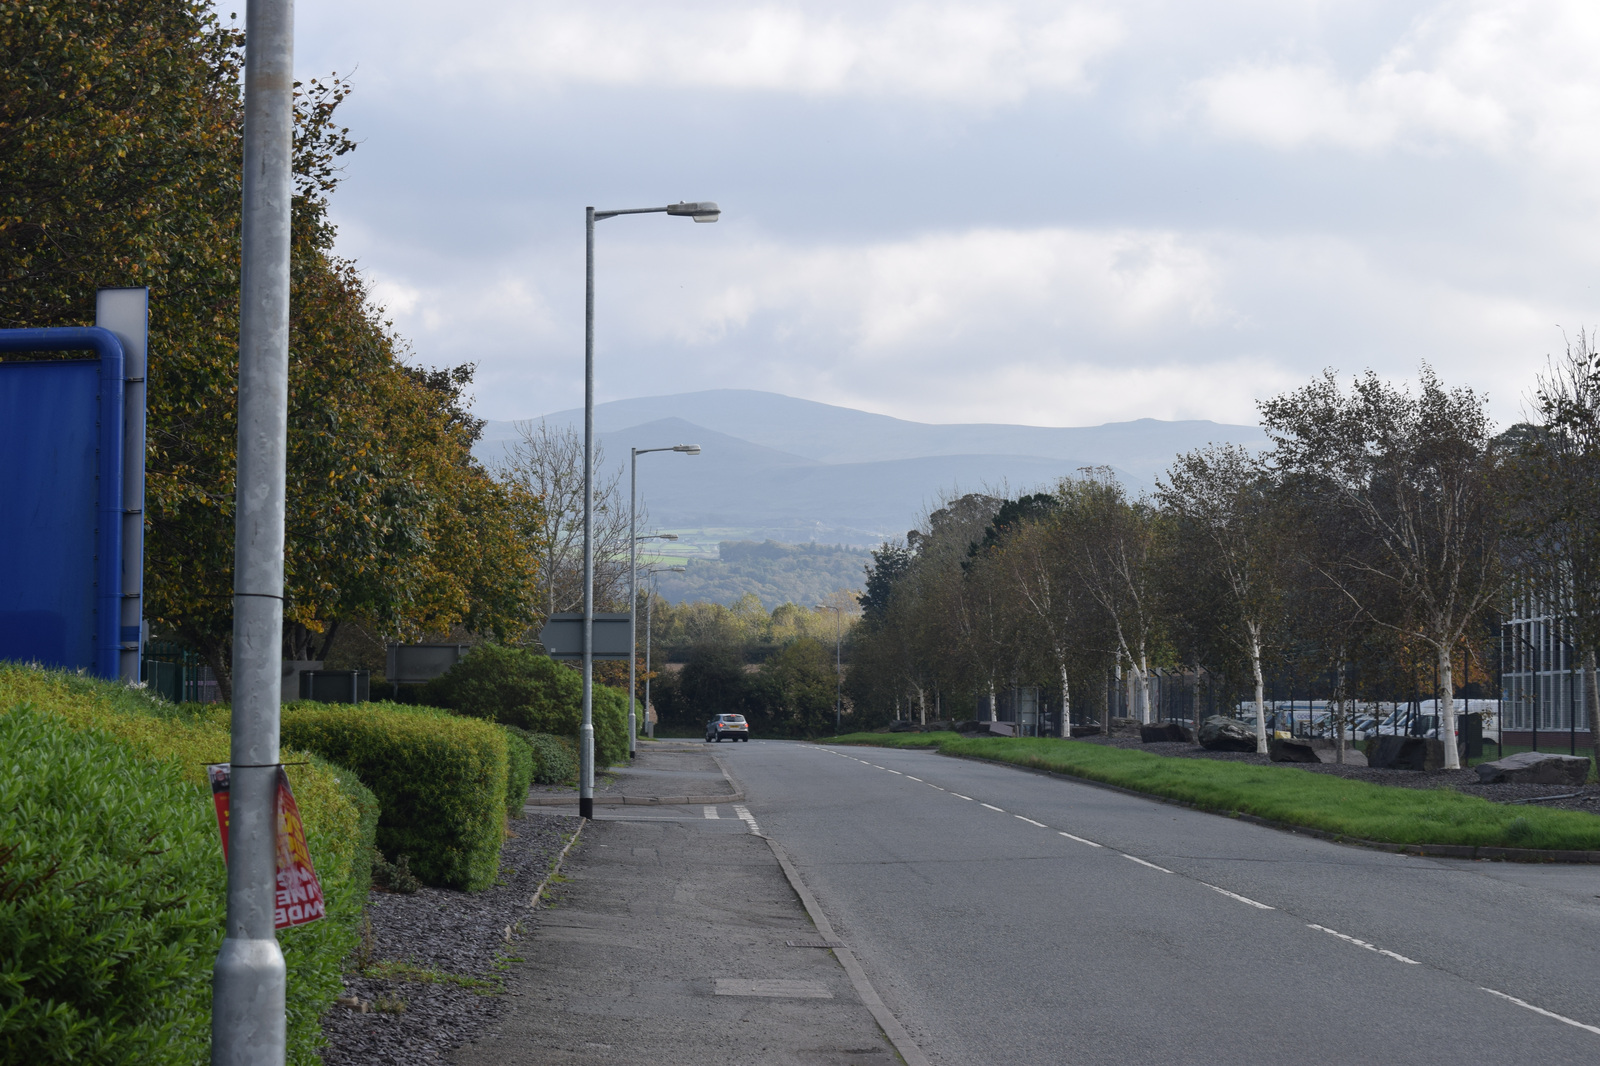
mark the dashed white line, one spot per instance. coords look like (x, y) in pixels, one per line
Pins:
(959, 796)
(896, 773)
(1030, 821)
(1540, 1010)
(992, 807)
(916, 779)
(1241, 899)
(1080, 840)
(936, 786)
(1141, 862)
(1363, 944)
(875, 766)
(711, 812)
(747, 818)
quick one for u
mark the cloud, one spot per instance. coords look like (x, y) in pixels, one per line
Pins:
(960, 52)
(1499, 78)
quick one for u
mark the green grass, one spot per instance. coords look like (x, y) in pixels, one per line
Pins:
(1332, 804)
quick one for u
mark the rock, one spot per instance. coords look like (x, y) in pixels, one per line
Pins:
(1002, 729)
(1124, 727)
(1299, 749)
(971, 725)
(939, 727)
(1164, 731)
(1085, 730)
(1406, 753)
(1226, 734)
(902, 727)
(1535, 768)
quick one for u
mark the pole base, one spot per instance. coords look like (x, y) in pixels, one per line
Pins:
(586, 807)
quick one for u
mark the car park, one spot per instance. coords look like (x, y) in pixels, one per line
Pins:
(729, 726)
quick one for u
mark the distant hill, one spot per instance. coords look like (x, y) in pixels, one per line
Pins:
(777, 573)
(798, 472)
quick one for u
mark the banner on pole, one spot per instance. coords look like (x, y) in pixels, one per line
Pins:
(299, 895)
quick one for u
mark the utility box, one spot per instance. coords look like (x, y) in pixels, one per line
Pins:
(335, 686)
(1471, 726)
(412, 664)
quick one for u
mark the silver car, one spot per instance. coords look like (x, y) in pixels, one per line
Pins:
(731, 726)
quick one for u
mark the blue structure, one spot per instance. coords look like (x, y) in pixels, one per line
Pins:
(61, 501)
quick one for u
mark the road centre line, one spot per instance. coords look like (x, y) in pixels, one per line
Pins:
(1373, 947)
(1540, 1010)
(916, 779)
(959, 796)
(1080, 840)
(992, 807)
(1141, 862)
(1235, 895)
(896, 773)
(1030, 821)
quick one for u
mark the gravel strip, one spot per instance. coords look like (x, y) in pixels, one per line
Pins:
(1465, 781)
(457, 933)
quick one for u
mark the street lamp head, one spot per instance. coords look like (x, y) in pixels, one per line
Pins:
(702, 211)
(687, 449)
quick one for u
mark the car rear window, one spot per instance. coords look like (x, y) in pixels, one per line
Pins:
(733, 718)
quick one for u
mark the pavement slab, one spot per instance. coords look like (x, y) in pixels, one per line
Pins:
(661, 773)
(668, 943)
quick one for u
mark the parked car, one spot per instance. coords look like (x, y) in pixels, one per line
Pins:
(732, 726)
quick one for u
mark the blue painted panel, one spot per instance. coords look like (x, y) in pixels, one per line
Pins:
(61, 501)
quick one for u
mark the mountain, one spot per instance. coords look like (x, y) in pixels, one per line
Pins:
(795, 471)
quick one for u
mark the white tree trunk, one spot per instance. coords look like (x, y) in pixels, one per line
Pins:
(1066, 703)
(1142, 682)
(1261, 686)
(1447, 709)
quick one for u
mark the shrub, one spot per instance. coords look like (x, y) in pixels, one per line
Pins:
(553, 760)
(111, 900)
(516, 687)
(519, 771)
(340, 816)
(440, 782)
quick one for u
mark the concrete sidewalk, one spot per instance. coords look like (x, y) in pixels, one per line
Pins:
(677, 941)
(662, 772)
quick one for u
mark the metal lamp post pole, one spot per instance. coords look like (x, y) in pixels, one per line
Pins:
(633, 571)
(249, 980)
(700, 212)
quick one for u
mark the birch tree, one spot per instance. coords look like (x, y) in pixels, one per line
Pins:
(1415, 477)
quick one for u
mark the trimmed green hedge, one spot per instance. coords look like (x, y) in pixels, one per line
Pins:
(516, 687)
(519, 771)
(553, 760)
(151, 744)
(441, 782)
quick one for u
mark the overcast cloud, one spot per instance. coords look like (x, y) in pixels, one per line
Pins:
(1053, 213)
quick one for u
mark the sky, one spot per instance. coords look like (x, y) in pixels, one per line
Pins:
(1046, 213)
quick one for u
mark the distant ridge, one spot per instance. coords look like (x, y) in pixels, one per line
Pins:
(797, 471)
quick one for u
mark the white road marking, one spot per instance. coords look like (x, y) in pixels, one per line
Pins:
(1541, 1010)
(875, 766)
(711, 812)
(936, 786)
(992, 807)
(959, 796)
(896, 773)
(916, 779)
(1363, 944)
(1030, 821)
(1235, 895)
(1080, 840)
(1141, 862)
(748, 819)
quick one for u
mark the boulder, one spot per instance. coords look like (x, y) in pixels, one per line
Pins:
(1226, 734)
(1536, 768)
(971, 725)
(902, 727)
(1164, 731)
(1405, 753)
(1124, 727)
(1002, 729)
(1085, 730)
(945, 726)
(1300, 749)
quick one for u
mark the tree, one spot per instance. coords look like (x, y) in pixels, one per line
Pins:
(1227, 528)
(1416, 478)
(546, 462)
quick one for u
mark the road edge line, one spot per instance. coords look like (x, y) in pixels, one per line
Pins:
(907, 1048)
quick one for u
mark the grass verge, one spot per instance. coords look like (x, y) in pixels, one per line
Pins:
(1359, 809)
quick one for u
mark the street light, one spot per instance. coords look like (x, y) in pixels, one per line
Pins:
(705, 211)
(633, 571)
(649, 604)
(838, 662)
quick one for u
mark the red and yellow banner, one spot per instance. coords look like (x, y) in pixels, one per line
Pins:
(299, 897)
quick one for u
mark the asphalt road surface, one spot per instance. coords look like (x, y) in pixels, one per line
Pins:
(1011, 918)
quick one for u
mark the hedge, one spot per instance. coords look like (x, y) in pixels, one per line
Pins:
(516, 687)
(553, 760)
(520, 765)
(441, 782)
(147, 756)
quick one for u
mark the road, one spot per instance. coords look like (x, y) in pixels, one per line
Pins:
(1011, 918)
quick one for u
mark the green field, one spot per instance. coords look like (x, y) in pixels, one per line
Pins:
(1331, 804)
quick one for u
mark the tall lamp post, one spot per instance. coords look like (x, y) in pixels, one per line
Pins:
(633, 570)
(838, 662)
(700, 212)
(648, 605)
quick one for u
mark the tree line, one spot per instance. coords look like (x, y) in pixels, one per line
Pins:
(1375, 544)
